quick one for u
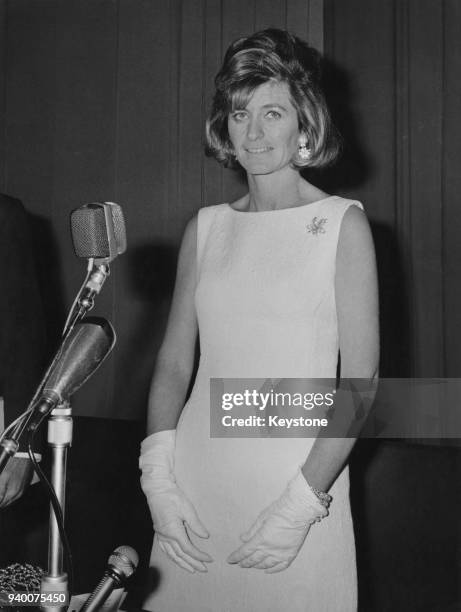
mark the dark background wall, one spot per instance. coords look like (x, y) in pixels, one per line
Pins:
(394, 67)
(400, 61)
(106, 99)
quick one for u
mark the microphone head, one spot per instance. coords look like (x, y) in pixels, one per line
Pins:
(82, 352)
(118, 221)
(98, 231)
(124, 560)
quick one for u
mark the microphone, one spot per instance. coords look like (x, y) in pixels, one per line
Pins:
(121, 565)
(80, 355)
(98, 231)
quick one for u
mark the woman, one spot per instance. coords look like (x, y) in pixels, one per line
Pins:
(275, 283)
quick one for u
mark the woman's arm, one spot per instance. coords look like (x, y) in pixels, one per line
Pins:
(358, 322)
(173, 515)
(175, 360)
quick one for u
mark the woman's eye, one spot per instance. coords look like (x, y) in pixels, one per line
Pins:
(273, 114)
(239, 116)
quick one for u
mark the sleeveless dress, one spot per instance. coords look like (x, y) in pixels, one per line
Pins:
(266, 308)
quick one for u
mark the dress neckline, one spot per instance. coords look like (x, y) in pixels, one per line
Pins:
(277, 210)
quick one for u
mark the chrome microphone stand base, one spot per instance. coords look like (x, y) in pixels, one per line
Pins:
(54, 586)
(60, 427)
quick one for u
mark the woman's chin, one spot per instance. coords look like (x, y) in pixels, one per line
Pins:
(263, 165)
(259, 167)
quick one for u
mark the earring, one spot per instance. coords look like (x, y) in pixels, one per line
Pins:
(303, 151)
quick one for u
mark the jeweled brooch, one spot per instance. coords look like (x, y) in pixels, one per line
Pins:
(317, 226)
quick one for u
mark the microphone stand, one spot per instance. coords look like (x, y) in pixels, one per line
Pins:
(85, 299)
(60, 426)
(59, 439)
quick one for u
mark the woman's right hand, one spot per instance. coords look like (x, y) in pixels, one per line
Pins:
(172, 512)
(173, 515)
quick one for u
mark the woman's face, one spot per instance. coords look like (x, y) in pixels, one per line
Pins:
(265, 134)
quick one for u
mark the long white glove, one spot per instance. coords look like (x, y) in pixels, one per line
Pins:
(170, 509)
(274, 540)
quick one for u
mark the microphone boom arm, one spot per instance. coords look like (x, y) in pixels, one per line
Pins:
(84, 301)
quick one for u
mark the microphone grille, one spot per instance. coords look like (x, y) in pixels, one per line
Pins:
(124, 559)
(89, 232)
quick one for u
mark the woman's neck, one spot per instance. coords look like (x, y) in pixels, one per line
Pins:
(272, 191)
(284, 189)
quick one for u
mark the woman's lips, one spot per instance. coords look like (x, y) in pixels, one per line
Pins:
(256, 150)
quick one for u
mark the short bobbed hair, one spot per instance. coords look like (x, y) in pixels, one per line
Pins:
(278, 56)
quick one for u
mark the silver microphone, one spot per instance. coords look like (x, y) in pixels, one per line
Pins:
(121, 565)
(79, 356)
(98, 231)
(98, 234)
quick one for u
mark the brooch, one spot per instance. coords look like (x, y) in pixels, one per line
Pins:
(317, 226)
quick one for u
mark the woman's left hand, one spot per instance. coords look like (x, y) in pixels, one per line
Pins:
(274, 540)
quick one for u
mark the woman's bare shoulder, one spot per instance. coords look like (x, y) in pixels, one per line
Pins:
(355, 238)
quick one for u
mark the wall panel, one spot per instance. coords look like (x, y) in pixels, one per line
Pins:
(29, 102)
(3, 67)
(28, 138)
(269, 13)
(192, 113)
(426, 202)
(451, 186)
(213, 29)
(400, 61)
(146, 170)
(84, 148)
(298, 19)
(359, 45)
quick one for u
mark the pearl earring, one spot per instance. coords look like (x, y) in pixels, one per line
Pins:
(303, 151)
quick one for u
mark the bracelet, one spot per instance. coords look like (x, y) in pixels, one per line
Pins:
(324, 498)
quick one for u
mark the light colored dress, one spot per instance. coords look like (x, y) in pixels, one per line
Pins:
(265, 302)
